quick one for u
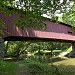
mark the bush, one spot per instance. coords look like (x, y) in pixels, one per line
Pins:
(36, 68)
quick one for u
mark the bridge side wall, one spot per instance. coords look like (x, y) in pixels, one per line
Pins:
(53, 31)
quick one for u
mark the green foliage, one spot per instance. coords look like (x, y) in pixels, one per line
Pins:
(69, 49)
(30, 21)
(1, 33)
(69, 17)
(31, 67)
(2, 23)
(34, 68)
(7, 68)
(22, 49)
(31, 11)
(15, 49)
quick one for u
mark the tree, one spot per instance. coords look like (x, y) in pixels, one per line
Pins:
(69, 17)
(31, 11)
(20, 48)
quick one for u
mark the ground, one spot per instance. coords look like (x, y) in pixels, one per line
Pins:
(61, 66)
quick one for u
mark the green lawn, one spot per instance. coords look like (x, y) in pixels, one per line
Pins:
(66, 67)
(30, 67)
(8, 68)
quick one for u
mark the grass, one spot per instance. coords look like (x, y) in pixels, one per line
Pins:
(68, 50)
(31, 67)
(28, 66)
(8, 68)
(66, 62)
(66, 67)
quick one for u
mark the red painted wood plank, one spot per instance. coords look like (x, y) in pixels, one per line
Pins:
(53, 31)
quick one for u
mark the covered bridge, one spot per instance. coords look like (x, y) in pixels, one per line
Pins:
(54, 31)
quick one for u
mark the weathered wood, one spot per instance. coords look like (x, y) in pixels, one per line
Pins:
(54, 31)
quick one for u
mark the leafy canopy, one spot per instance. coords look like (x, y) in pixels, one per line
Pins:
(31, 11)
(69, 17)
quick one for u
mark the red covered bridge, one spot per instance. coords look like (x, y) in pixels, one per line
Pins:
(54, 31)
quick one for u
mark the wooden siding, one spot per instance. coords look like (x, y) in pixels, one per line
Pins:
(54, 31)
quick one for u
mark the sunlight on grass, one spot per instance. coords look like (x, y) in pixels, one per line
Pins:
(69, 49)
(31, 67)
(66, 66)
(68, 61)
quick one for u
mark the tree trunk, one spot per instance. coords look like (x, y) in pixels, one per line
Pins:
(1, 49)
